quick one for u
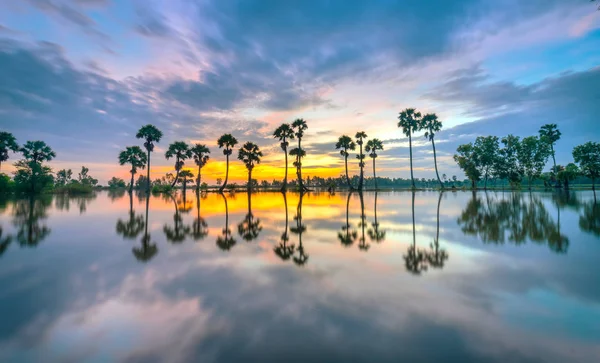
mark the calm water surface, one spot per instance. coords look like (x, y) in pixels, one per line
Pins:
(387, 277)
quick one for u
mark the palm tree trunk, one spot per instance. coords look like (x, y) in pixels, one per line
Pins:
(199, 178)
(374, 175)
(249, 187)
(360, 182)
(131, 185)
(299, 166)
(594, 184)
(412, 179)
(226, 174)
(554, 161)
(347, 176)
(435, 164)
(148, 175)
(284, 187)
(176, 173)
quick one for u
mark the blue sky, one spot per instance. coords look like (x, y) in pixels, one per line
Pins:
(84, 75)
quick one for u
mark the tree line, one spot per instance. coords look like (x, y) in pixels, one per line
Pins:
(509, 159)
(517, 160)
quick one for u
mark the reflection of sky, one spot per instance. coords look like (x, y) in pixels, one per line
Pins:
(82, 296)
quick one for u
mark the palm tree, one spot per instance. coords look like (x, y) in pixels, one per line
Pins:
(374, 233)
(360, 136)
(151, 135)
(431, 123)
(200, 153)
(283, 250)
(283, 133)
(347, 236)
(410, 120)
(551, 134)
(371, 148)
(7, 143)
(185, 174)
(249, 228)
(299, 126)
(226, 142)
(226, 241)
(250, 155)
(346, 143)
(181, 151)
(135, 156)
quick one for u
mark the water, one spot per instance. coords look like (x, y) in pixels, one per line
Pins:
(498, 277)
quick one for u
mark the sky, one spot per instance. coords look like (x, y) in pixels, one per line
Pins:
(85, 75)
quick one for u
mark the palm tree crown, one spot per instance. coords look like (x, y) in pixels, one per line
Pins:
(250, 155)
(409, 120)
(7, 143)
(431, 124)
(227, 142)
(134, 156)
(150, 134)
(345, 143)
(37, 152)
(372, 147)
(200, 153)
(299, 125)
(284, 133)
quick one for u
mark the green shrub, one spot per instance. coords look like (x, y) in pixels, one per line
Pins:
(74, 188)
(6, 184)
(162, 188)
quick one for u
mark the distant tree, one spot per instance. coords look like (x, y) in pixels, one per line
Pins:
(360, 137)
(508, 166)
(284, 133)
(344, 144)
(588, 157)
(183, 178)
(299, 126)
(200, 153)
(533, 155)
(115, 183)
(432, 125)
(250, 155)
(151, 135)
(134, 156)
(7, 143)
(219, 181)
(31, 175)
(468, 161)
(85, 179)
(63, 177)
(37, 152)
(181, 152)
(487, 150)
(226, 142)
(372, 147)
(410, 122)
(567, 174)
(550, 134)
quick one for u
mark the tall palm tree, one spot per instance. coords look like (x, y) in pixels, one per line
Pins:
(135, 156)
(375, 234)
(360, 136)
(7, 143)
(299, 126)
(200, 154)
(151, 135)
(372, 147)
(250, 155)
(181, 151)
(185, 174)
(226, 142)
(284, 133)
(551, 134)
(346, 143)
(410, 120)
(226, 241)
(432, 124)
(347, 236)
(283, 250)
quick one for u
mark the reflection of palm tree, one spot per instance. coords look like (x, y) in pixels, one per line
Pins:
(249, 228)
(415, 259)
(179, 231)
(374, 233)
(226, 241)
(347, 236)
(199, 227)
(133, 226)
(436, 257)
(362, 242)
(5, 241)
(301, 258)
(283, 250)
(27, 217)
(148, 249)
